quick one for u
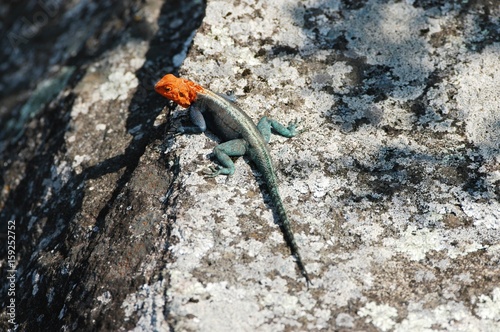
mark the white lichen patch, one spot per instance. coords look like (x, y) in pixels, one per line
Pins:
(105, 297)
(241, 311)
(488, 307)
(453, 316)
(118, 85)
(416, 243)
(381, 316)
(478, 98)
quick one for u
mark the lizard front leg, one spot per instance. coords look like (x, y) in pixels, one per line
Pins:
(197, 119)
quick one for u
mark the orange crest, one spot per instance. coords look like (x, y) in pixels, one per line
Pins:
(179, 90)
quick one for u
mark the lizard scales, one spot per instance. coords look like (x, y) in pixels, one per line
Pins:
(242, 137)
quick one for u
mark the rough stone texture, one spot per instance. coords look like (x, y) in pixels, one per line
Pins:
(393, 189)
(84, 175)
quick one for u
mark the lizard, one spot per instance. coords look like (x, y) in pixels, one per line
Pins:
(240, 137)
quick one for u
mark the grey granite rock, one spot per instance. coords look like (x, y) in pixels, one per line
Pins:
(393, 189)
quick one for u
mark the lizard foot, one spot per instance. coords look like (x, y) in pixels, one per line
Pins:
(212, 171)
(175, 131)
(292, 126)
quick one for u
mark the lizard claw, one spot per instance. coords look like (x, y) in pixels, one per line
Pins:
(292, 127)
(174, 132)
(230, 95)
(212, 171)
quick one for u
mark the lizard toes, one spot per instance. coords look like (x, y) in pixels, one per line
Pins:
(211, 171)
(292, 127)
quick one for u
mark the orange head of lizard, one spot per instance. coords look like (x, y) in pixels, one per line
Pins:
(179, 90)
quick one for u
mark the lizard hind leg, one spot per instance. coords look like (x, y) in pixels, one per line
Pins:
(223, 152)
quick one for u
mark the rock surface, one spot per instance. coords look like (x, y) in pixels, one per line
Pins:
(393, 188)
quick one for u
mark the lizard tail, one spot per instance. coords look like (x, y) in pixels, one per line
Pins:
(286, 227)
